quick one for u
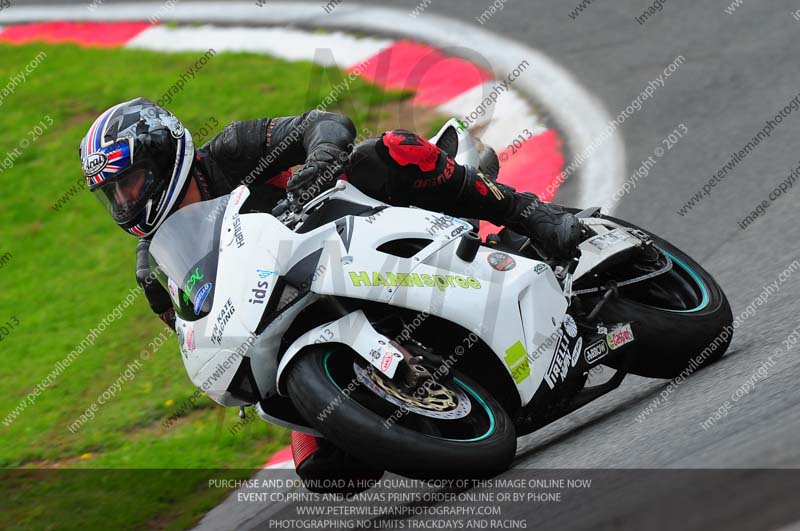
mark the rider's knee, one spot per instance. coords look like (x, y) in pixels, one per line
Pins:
(409, 151)
(370, 173)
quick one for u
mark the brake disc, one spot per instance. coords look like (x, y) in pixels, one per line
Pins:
(433, 400)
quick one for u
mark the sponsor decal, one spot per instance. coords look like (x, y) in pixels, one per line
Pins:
(517, 362)
(238, 234)
(200, 298)
(374, 354)
(190, 346)
(185, 340)
(223, 319)
(595, 351)
(386, 362)
(444, 223)
(265, 273)
(172, 287)
(94, 163)
(501, 261)
(259, 293)
(190, 284)
(411, 280)
(238, 196)
(540, 268)
(481, 188)
(570, 326)
(604, 241)
(560, 364)
(619, 336)
(576, 351)
(458, 230)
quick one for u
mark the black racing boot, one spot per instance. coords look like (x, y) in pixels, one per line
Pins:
(553, 231)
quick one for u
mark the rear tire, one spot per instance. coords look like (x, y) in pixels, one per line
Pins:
(314, 387)
(667, 342)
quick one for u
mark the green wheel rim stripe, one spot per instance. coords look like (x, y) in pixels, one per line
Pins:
(492, 423)
(468, 389)
(328, 372)
(697, 279)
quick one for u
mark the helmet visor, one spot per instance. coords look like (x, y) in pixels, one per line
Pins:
(125, 197)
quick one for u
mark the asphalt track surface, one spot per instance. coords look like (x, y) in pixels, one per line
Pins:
(740, 70)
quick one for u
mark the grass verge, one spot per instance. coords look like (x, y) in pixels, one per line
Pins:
(63, 271)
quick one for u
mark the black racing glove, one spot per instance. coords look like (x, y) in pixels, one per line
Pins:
(319, 173)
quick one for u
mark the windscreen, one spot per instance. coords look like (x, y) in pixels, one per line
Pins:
(184, 255)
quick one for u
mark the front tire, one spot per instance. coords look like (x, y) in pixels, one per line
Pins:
(324, 387)
(688, 332)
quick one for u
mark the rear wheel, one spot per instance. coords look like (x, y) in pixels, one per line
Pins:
(681, 319)
(452, 428)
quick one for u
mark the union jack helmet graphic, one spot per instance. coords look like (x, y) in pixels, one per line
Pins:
(136, 159)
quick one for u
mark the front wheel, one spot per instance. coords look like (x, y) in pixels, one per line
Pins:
(452, 428)
(681, 319)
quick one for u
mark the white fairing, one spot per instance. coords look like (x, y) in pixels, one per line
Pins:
(608, 242)
(511, 310)
(212, 347)
(355, 330)
(523, 304)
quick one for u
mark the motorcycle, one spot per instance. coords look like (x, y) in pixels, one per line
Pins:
(406, 339)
